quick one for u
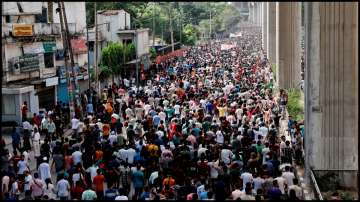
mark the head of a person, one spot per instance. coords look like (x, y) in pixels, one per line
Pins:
(295, 181)
(36, 175)
(275, 183)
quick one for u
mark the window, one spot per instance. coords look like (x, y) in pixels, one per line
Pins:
(7, 18)
(8, 105)
(42, 18)
(49, 60)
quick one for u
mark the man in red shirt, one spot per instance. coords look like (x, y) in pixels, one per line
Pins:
(24, 110)
(77, 191)
(98, 183)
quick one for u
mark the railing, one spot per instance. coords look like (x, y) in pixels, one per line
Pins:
(317, 189)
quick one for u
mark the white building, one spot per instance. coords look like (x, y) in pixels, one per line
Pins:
(32, 53)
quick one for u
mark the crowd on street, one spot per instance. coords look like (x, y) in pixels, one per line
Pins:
(205, 126)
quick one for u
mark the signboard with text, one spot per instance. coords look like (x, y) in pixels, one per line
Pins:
(26, 63)
(22, 30)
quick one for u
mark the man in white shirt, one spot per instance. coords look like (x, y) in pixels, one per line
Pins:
(130, 154)
(63, 189)
(297, 188)
(75, 125)
(246, 177)
(288, 176)
(237, 193)
(27, 184)
(281, 183)
(214, 168)
(258, 182)
(44, 170)
(219, 137)
(92, 170)
(76, 156)
(226, 155)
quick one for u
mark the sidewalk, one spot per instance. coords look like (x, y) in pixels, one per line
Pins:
(300, 172)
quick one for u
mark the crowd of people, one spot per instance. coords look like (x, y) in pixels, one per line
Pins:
(204, 127)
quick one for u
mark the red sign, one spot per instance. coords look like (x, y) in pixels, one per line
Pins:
(79, 46)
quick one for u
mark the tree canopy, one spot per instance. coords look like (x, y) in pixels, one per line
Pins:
(190, 20)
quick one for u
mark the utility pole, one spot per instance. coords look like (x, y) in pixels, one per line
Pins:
(75, 82)
(171, 28)
(210, 24)
(68, 80)
(88, 55)
(136, 60)
(153, 24)
(96, 54)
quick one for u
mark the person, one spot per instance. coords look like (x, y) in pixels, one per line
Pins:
(111, 192)
(237, 193)
(63, 188)
(77, 191)
(15, 137)
(248, 194)
(98, 184)
(75, 126)
(5, 183)
(275, 193)
(89, 194)
(288, 176)
(27, 184)
(44, 169)
(37, 187)
(36, 144)
(14, 191)
(137, 177)
(298, 190)
(51, 128)
(292, 195)
(24, 110)
(49, 189)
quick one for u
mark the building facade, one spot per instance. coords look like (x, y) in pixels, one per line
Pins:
(33, 55)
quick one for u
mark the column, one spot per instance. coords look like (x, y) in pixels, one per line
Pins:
(331, 90)
(255, 14)
(271, 32)
(251, 13)
(288, 49)
(264, 26)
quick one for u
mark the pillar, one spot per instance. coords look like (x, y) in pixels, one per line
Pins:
(288, 49)
(331, 90)
(271, 32)
(264, 26)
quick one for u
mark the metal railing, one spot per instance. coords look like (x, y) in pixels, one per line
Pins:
(317, 189)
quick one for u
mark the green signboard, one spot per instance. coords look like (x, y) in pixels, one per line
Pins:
(49, 46)
(26, 63)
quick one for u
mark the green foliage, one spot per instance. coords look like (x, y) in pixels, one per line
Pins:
(152, 53)
(293, 106)
(157, 15)
(105, 72)
(112, 56)
(190, 34)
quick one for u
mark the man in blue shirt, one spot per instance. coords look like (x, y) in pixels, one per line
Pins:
(137, 178)
(15, 139)
(275, 193)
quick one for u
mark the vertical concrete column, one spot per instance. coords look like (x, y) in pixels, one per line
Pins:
(258, 8)
(288, 49)
(264, 26)
(271, 32)
(331, 89)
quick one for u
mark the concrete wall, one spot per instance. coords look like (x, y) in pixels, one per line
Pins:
(331, 89)
(288, 49)
(75, 13)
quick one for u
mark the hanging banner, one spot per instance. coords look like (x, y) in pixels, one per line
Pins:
(33, 48)
(79, 46)
(22, 30)
(25, 63)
